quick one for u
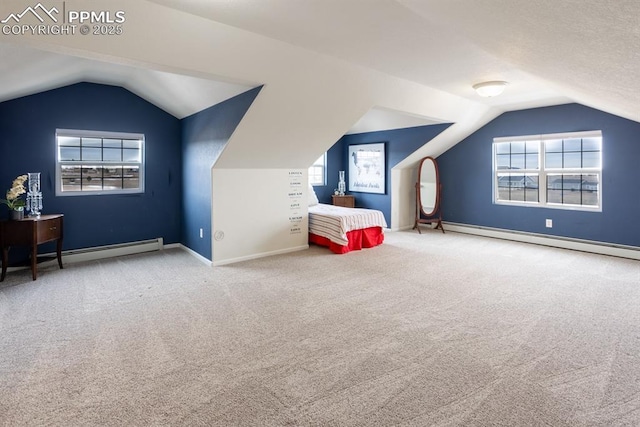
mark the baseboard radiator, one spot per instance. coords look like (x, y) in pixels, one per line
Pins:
(602, 248)
(109, 251)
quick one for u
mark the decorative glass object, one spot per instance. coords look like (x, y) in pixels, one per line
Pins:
(34, 196)
(342, 186)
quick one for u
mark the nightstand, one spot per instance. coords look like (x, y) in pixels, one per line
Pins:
(345, 201)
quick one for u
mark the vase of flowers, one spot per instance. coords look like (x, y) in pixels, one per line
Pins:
(14, 201)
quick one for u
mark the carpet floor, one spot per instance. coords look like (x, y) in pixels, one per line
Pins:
(425, 330)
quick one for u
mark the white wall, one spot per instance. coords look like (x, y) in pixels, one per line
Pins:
(260, 211)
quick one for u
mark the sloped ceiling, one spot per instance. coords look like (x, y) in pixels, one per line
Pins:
(550, 51)
(25, 71)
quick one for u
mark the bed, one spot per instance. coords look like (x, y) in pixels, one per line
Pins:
(345, 229)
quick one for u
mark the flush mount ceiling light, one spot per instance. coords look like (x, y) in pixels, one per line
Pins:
(487, 89)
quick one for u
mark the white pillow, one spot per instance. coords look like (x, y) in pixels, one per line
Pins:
(313, 198)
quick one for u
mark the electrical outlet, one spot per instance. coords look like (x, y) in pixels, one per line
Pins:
(549, 223)
(201, 235)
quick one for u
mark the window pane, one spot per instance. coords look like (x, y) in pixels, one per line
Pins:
(112, 178)
(591, 159)
(92, 142)
(518, 188)
(517, 161)
(571, 189)
(131, 155)
(317, 171)
(504, 187)
(573, 144)
(590, 190)
(517, 194)
(554, 182)
(131, 143)
(131, 177)
(531, 185)
(112, 143)
(91, 153)
(518, 147)
(112, 183)
(554, 188)
(91, 178)
(69, 153)
(591, 144)
(574, 189)
(316, 175)
(553, 160)
(554, 196)
(533, 146)
(70, 178)
(532, 161)
(112, 155)
(503, 161)
(572, 160)
(69, 141)
(553, 146)
(503, 148)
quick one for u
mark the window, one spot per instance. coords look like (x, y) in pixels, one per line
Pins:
(556, 171)
(91, 162)
(318, 171)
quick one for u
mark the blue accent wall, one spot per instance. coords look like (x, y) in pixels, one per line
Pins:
(399, 144)
(27, 128)
(204, 136)
(466, 175)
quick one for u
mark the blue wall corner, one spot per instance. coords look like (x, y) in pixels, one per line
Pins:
(204, 136)
(28, 126)
(466, 175)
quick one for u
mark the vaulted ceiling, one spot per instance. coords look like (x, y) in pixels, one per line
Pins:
(549, 51)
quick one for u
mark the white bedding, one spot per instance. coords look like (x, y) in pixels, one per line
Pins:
(334, 222)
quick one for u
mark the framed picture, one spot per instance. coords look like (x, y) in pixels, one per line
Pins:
(367, 168)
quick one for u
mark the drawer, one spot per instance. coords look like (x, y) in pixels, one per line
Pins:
(49, 229)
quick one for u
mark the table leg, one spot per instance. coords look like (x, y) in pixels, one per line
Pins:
(59, 252)
(5, 261)
(34, 261)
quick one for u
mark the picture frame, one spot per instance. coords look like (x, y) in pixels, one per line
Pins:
(367, 168)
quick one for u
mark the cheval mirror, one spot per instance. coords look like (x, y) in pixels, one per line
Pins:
(428, 193)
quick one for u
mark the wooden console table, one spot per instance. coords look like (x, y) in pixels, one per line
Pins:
(31, 232)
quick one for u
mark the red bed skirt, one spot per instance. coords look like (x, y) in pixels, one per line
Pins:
(358, 239)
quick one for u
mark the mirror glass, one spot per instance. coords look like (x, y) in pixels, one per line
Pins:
(428, 179)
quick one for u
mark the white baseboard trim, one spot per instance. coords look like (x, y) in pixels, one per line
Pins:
(193, 253)
(622, 251)
(260, 255)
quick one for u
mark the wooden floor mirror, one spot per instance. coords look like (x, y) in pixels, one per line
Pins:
(428, 194)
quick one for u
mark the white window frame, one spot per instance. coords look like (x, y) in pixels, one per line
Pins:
(321, 162)
(542, 172)
(74, 133)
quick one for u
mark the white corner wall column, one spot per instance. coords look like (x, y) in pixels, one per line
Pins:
(258, 213)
